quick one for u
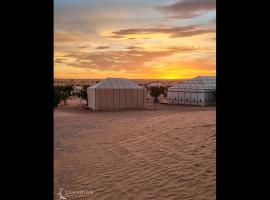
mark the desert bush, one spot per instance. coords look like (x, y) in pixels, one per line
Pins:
(83, 93)
(156, 91)
(165, 91)
(63, 93)
(66, 92)
(57, 96)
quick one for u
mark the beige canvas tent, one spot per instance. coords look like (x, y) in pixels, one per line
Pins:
(197, 91)
(116, 93)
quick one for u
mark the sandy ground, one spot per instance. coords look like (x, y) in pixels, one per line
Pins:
(166, 152)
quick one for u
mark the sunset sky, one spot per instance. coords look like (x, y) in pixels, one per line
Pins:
(136, 39)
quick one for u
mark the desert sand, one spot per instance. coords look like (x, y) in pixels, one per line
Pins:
(164, 152)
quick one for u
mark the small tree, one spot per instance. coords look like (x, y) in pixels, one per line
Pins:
(82, 93)
(66, 92)
(156, 91)
(165, 91)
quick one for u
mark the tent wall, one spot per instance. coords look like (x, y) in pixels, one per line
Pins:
(128, 98)
(181, 97)
(187, 97)
(194, 98)
(145, 97)
(201, 98)
(107, 99)
(134, 98)
(91, 97)
(175, 97)
(103, 98)
(140, 98)
(97, 101)
(209, 99)
(122, 98)
(170, 97)
(116, 99)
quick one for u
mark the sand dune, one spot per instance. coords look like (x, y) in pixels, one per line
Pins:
(167, 153)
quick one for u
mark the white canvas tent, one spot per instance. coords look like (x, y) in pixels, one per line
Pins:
(198, 91)
(116, 93)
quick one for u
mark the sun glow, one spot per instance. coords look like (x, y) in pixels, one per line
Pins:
(127, 44)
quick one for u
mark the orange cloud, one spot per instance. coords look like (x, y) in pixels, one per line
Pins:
(173, 32)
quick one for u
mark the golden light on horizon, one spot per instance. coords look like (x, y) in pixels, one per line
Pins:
(127, 44)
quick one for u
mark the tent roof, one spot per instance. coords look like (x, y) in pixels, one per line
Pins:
(115, 83)
(198, 83)
(155, 85)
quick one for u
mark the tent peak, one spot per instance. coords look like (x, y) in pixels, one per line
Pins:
(116, 83)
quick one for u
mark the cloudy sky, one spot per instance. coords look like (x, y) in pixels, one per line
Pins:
(157, 39)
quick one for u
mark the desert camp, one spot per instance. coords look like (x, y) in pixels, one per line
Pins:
(134, 100)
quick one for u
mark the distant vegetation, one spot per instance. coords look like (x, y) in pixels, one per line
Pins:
(156, 91)
(165, 90)
(82, 93)
(62, 93)
(56, 95)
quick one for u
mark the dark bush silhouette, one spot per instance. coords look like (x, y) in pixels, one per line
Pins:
(63, 92)
(57, 96)
(156, 91)
(165, 91)
(215, 95)
(66, 92)
(83, 93)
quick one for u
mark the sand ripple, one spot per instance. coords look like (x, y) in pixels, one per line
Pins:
(164, 154)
